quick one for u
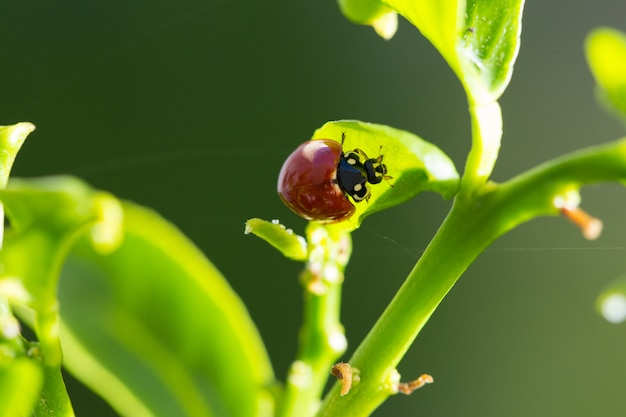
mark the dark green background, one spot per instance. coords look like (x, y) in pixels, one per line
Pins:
(191, 106)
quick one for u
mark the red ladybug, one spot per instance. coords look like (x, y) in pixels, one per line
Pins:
(317, 178)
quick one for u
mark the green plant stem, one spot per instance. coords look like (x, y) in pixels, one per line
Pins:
(486, 136)
(470, 227)
(309, 373)
(322, 339)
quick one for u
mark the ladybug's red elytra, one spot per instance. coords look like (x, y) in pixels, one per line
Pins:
(317, 178)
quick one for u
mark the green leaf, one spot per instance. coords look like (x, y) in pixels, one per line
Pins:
(11, 140)
(440, 21)
(46, 216)
(606, 54)
(371, 12)
(479, 38)
(155, 329)
(489, 45)
(20, 382)
(285, 240)
(414, 164)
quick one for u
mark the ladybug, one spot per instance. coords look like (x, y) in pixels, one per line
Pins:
(318, 180)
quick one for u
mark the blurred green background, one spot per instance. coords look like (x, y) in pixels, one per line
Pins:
(191, 107)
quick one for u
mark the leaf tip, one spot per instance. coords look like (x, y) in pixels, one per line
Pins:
(386, 25)
(277, 235)
(374, 13)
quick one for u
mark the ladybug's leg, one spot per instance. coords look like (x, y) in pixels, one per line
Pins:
(361, 153)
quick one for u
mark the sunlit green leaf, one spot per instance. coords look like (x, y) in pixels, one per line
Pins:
(440, 21)
(371, 12)
(20, 383)
(46, 216)
(11, 140)
(479, 38)
(490, 40)
(606, 54)
(414, 164)
(155, 329)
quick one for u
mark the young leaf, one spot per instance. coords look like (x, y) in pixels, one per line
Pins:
(606, 54)
(20, 382)
(489, 45)
(285, 240)
(478, 38)
(155, 329)
(11, 140)
(440, 21)
(371, 12)
(46, 216)
(413, 164)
